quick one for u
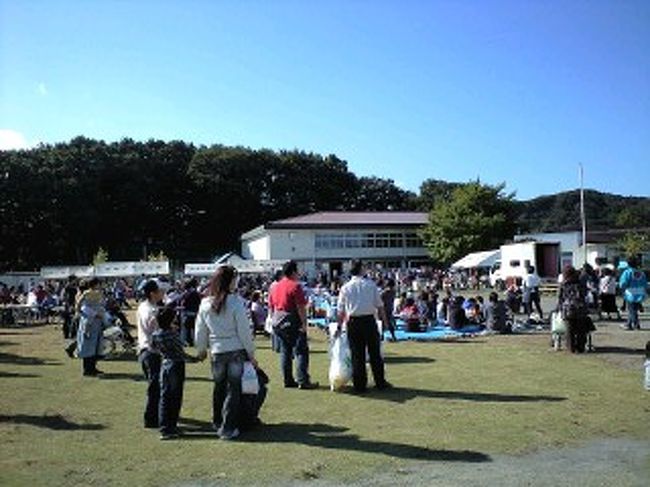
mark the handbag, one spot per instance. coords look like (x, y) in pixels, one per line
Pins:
(249, 381)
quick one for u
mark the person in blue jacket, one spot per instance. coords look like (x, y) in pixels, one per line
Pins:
(634, 285)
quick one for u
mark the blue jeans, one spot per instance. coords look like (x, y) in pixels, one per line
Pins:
(150, 363)
(633, 315)
(294, 343)
(172, 378)
(227, 369)
(187, 328)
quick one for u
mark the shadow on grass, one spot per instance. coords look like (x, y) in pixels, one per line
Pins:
(335, 438)
(121, 376)
(138, 377)
(122, 357)
(400, 359)
(4, 375)
(621, 350)
(54, 422)
(10, 358)
(404, 394)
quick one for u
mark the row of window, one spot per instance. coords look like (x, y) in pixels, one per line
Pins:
(367, 240)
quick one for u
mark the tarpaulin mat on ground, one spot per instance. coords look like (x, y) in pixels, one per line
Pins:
(436, 333)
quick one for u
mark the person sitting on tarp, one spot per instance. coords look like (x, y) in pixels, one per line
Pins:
(411, 316)
(495, 314)
(457, 316)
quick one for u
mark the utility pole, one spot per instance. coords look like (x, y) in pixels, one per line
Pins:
(583, 218)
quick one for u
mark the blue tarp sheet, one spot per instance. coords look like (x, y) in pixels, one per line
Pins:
(433, 333)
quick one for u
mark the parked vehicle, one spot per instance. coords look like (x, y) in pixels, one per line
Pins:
(516, 258)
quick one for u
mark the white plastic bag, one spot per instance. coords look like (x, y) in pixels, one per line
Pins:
(558, 324)
(340, 362)
(249, 382)
(268, 323)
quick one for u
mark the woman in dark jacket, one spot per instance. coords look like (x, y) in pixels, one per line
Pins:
(573, 306)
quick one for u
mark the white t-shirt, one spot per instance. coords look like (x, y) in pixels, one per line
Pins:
(359, 297)
(147, 324)
(531, 281)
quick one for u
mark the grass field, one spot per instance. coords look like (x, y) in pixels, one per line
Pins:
(459, 402)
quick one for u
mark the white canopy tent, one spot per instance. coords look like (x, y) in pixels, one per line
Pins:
(478, 259)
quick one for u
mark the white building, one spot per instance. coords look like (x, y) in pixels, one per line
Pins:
(601, 247)
(327, 241)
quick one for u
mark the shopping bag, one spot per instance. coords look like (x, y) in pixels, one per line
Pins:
(340, 362)
(558, 324)
(249, 382)
(268, 324)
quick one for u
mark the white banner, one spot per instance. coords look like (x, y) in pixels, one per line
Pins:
(242, 266)
(63, 272)
(128, 269)
(200, 269)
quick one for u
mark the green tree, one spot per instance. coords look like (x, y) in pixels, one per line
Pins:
(157, 257)
(434, 190)
(476, 217)
(634, 243)
(100, 256)
(377, 194)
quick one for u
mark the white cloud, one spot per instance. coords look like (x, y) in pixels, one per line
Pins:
(41, 89)
(10, 139)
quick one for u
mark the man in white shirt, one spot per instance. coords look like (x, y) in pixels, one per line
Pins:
(531, 285)
(359, 302)
(149, 358)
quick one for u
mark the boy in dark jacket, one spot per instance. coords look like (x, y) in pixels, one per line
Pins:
(167, 341)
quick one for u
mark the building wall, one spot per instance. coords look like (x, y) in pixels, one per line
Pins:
(257, 249)
(315, 248)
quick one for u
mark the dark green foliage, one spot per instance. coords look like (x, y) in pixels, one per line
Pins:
(376, 194)
(433, 191)
(604, 211)
(62, 202)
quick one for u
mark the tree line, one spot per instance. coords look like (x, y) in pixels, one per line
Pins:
(60, 203)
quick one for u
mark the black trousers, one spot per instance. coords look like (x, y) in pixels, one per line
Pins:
(576, 335)
(150, 362)
(363, 335)
(89, 365)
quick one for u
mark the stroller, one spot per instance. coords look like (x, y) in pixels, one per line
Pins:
(116, 339)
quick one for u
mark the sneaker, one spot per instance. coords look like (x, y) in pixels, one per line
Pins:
(308, 385)
(70, 349)
(229, 435)
(291, 385)
(384, 386)
(168, 436)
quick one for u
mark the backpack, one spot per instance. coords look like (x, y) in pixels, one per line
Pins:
(573, 304)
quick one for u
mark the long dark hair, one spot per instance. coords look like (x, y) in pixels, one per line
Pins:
(220, 286)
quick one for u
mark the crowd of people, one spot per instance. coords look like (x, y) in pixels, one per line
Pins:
(220, 316)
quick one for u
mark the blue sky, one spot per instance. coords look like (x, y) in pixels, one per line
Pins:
(519, 91)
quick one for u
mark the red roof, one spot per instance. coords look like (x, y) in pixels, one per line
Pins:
(330, 219)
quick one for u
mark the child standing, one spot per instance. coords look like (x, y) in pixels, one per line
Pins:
(646, 365)
(167, 341)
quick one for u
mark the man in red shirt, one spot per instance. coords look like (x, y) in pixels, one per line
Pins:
(287, 303)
